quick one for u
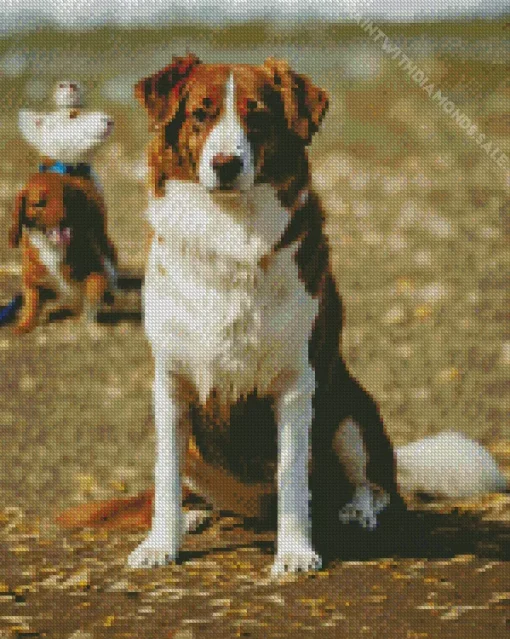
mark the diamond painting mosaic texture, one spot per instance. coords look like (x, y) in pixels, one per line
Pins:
(253, 319)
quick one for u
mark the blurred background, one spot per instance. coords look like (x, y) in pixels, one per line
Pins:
(418, 217)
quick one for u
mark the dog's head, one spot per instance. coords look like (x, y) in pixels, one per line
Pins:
(68, 135)
(50, 203)
(229, 127)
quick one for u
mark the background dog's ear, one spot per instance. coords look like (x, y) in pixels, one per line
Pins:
(160, 93)
(18, 215)
(304, 103)
(85, 212)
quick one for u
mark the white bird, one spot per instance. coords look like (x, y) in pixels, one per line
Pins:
(68, 95)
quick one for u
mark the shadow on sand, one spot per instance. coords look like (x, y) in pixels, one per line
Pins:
(420, 534)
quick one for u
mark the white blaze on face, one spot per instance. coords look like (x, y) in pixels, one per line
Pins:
(227, 138)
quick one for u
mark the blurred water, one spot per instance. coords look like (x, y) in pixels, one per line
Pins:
(114, 70)
(77, 14)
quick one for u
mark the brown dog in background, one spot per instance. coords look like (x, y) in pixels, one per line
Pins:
(59, 220)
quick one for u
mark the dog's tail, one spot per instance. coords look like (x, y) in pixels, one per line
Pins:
(126, 513)
(123, 513)
(448, 466)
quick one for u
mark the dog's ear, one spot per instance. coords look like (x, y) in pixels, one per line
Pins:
(75, 204)
(18, 215)
(160, 93)
(29, 124)
(304, 103)
(85, 212)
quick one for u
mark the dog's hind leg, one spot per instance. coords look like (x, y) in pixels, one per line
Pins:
(95, 288)
(368, 501)
(29, 310)
(354, 476)
(366, 455)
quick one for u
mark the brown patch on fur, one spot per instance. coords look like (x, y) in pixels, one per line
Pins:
(160, 92)
(223, 432)
(305, 104)
(161, 95)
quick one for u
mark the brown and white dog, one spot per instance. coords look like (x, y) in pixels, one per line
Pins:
(243, 315)
(59, 221)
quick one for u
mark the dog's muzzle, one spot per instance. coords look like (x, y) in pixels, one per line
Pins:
(227, 169)
(60, 236)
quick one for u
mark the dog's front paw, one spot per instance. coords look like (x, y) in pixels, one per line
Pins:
(364, 507)
(153, 552)
(24, 327)
(301, 558)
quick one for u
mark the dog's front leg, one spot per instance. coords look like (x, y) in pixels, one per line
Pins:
(163, 541)
(29, 310)
(294, 551)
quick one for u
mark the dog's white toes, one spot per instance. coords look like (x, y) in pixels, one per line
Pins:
(154, 551)
(151, 554)
(194, 519)
(299, 560)
(351, 512)
(364, 508)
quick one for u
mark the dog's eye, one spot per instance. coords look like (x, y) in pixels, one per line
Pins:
(257, 121)
(207, 102)
(200, 115)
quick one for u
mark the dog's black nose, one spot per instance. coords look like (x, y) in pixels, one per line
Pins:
(227, 168)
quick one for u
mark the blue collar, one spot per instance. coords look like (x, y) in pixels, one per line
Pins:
(77, 170)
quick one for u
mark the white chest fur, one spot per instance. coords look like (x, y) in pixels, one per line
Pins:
(219, 318)
(52, 257)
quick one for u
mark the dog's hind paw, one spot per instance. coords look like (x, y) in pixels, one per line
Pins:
(364, 507)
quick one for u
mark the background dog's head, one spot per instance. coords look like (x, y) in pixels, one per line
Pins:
(53, 204)
(40, 204)
(229, 127)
